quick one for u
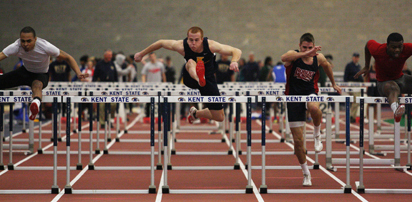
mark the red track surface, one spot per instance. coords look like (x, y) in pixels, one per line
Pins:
(193, 179)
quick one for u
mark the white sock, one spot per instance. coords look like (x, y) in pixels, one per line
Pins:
(317, 131)
(37, 101)
(394, 106)
(305, 168)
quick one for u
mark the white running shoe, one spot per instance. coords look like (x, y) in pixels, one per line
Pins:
(34, 109)
(306, 180)
(318, 144)
(191, 117)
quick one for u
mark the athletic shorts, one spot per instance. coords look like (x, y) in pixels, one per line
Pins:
(210, 89)
(20, 77)
(297, 110)
(404, 83)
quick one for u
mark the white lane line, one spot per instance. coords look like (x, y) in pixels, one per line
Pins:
(86, 168)
(321, 167)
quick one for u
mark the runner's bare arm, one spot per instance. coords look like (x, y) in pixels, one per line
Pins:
(2, 56)
(365, 70)
(72, 63)
(328, 70)
(174, 45)
(292, 55)
(223, 49)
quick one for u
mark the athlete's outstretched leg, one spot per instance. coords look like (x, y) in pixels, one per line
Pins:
(316, 114)
(36, 88)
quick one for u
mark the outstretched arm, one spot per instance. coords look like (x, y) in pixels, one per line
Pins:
(2, 56)
(223, 49)
(174, 45)
(292, 55)
(328, 70)
(365, 70)
(73, 64)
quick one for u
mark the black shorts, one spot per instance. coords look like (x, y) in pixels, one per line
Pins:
(296, 111)
(20, 77)
(210, 89)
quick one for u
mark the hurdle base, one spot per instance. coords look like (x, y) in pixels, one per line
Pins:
(165, 189)
(79, 167)
(159, 166)
(97, 151)
(58, 139)
(226, 131)
(109, 139)
(91, 166)
(117, 139)
(240, 152)
(173, 151)
(55, 189)
(237, 166)
(10, 166)
(360, 189)
(152, 189)
(249, 189)
(282, 140)
(316, 166)
(68, 190)
(230, 152)
(347, 189)
(263, 189)
(105, 151)
(223, 140)
(75, 131)
(40, 151)
(270, 131)
(175, 140)
(23, 131)
(169, 166)
(409, 166)
(233, 140)
(125, 131)
(2, 167)
(375, 153)
(162, 152)
(246, 166)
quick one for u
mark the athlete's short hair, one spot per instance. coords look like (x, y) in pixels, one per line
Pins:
(395, 37)
(308, 37)
(28, 29)
(195, 30)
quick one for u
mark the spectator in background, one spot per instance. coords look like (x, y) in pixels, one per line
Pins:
(153, 71)
(251, 70)
(105, 71)
(83, 61)
(133, 68)
(59, 70)
(170, 71)
(89, 69)
(123, 70)
(278, 74)
(322, 74)
(264, 71)
(223, 73)
(351, 69)
(240, 75)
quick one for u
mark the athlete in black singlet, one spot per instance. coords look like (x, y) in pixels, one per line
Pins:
(200, 67)
(302, 72)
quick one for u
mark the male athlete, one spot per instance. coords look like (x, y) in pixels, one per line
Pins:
(35, 53)
(390, 58)
(199, 53)
(302, 71)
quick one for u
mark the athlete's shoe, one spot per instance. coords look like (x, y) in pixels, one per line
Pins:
(191, 117)
(306, 180)
(318, 144)
(34, 109)
(200, 71)
(399, 112)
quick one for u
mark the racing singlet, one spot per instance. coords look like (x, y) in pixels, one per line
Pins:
(302, 79)
(206, 55)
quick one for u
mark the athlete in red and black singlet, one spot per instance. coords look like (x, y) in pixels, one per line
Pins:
(302, 79)
(209, 59)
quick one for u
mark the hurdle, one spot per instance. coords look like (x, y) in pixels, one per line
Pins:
(264, 99)
(210, 99)
(360, 187)
(91, 166)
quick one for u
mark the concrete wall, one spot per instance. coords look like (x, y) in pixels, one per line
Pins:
(267, 27)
